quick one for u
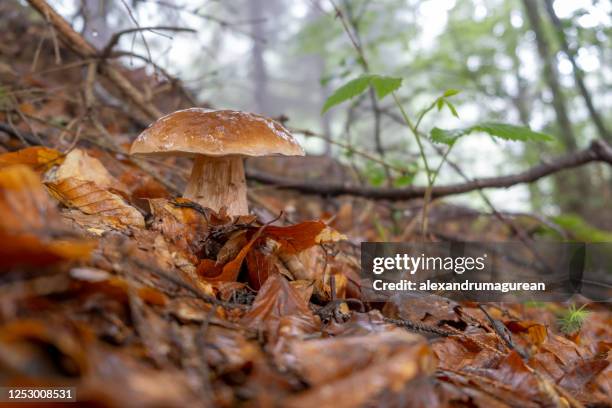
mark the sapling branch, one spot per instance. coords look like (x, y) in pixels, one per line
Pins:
(431, 176)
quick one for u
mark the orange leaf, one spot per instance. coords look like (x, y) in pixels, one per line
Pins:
(260, 266)
(39, 158)
(27, 108)
(536, 332)
(152, 296)
(29, 222)
(232, 268)
(298, 237)
(207, 268)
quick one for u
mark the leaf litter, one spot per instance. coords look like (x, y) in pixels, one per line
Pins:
(218, 303)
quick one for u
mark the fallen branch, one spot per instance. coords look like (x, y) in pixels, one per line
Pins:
(598, 151)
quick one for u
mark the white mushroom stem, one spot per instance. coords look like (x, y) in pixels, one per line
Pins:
(217, 182)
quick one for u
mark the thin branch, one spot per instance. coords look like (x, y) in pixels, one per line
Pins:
(352, 150)
(114, 40)
(598, 151)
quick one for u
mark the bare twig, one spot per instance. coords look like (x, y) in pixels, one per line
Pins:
(419, 327)
(114, 40)
(598, 151)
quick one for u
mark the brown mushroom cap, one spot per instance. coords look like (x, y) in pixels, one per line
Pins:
(198, 131)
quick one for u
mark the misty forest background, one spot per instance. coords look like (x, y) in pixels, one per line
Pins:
(543, 64)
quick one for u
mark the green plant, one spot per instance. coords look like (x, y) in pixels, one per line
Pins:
(572, 319)
(386, 85)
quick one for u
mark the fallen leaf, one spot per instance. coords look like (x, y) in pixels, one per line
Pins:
(534, 332)
(82, 182)
(277, 299)
(89, 198)
(296, 238)
(39, 158)
(320, 361)
(232, 269)
(370, 385)
(261, 265)
(582, 373)
(185, 228)
(79, 165)
(30, 223)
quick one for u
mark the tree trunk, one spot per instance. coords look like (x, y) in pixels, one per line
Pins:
(551, 75)
(259, 73)
(570, 190)
(578, 74)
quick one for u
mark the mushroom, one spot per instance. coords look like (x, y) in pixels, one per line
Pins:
(218, 140)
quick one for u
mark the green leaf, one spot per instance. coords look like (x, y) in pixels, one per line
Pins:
(511, 132)
(500, 130)
(448, 137)
(375, 174)
(452, 108)
(376, 178)
(450, 92)
(347, 91)
(384, 85)
(403, 181)
(581, 230)
(440, 103)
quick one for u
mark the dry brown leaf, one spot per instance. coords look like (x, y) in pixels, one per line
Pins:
(82, 182)
(322, 360)
(185, 228)
(79, 165)
(86, 196)
(260, 266)
(362, 387)
(535, 333)
(232, 247)
(328, 235)
(278, 299)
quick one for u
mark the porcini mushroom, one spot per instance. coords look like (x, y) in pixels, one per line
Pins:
(219, 140)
